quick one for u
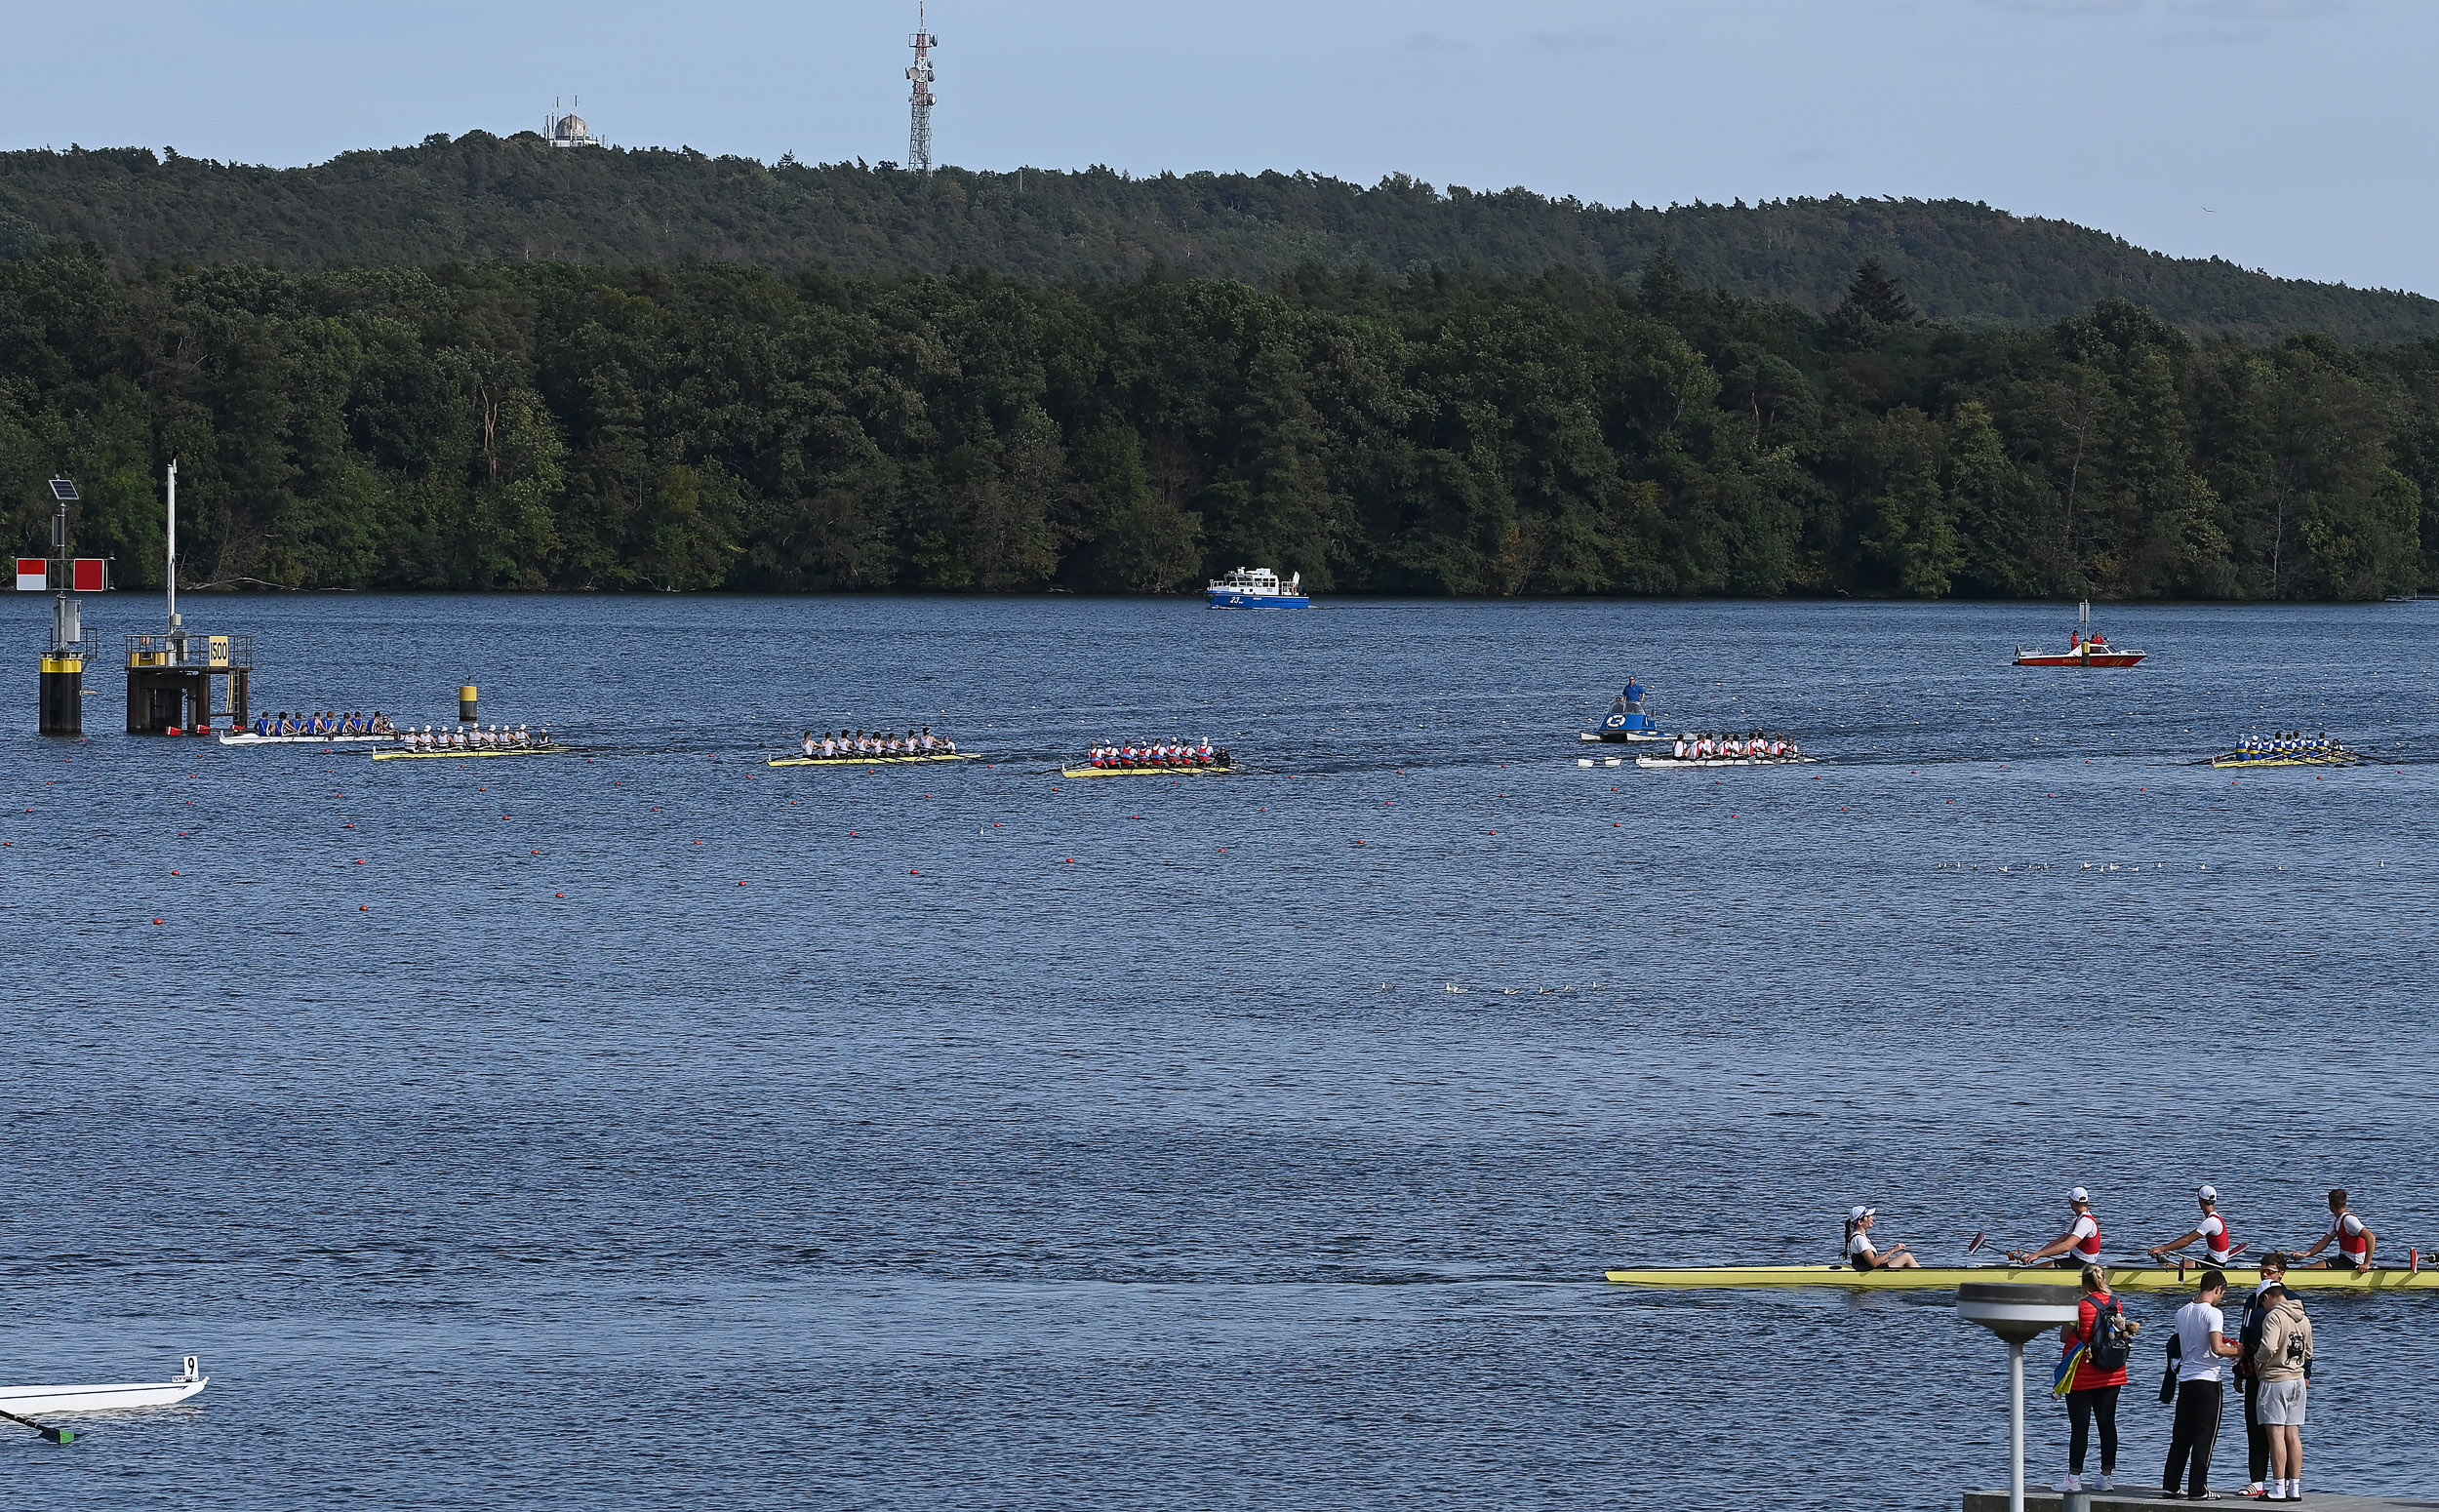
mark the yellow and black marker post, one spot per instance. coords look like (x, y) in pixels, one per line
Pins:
(63, 693)
(465, 705)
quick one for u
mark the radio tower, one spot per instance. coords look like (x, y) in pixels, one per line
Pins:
(919, 137)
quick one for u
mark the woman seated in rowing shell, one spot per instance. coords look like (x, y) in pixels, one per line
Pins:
(1863, 1255)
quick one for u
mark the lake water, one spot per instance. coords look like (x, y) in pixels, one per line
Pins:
(652, 1127)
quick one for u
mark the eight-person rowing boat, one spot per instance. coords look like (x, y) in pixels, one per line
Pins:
(1748, 750)
(329, 728)
(1174, 758)
(2289, 748)
(428, 743)
(871, 747)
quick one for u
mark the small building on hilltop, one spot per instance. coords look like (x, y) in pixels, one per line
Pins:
(570, 129)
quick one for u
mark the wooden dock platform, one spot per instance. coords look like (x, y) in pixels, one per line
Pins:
(2148, 1498)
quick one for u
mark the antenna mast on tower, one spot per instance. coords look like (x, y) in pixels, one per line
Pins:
(919, 137)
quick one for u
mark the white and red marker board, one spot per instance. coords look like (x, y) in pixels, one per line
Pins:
(33, 575)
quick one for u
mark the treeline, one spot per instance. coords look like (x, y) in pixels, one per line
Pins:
(481, 197)
(714, 427)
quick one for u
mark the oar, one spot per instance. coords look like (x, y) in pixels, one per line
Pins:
(55, 1434)
(1977, 1244)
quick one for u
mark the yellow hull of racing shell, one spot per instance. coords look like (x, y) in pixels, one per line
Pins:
(501, 750)
(1942, 1278)
(868, 761)
(1144, 772)
(2335, 759)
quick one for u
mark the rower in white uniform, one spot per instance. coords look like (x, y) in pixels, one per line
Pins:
(1863, 1255)
(2080, 1245)
(2210, 1231)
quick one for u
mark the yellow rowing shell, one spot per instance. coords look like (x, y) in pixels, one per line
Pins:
(864, 761)
(1941, 1278)
(506, 751)
(1144, 772)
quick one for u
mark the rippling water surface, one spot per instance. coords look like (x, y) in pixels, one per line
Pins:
(652, 1127)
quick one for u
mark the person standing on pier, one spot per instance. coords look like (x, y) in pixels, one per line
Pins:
(2106, 1336)
(2256, 1436)
(2202, 1342)
(2283, 1360)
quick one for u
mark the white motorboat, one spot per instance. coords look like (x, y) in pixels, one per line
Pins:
(42, 1401)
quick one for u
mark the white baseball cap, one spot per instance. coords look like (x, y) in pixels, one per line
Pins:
(2079, 1195)
(1860, 1211)
(2208, 1194)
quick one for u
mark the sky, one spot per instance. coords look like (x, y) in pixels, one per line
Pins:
(2288, 134)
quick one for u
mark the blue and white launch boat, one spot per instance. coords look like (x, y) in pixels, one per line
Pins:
(1627, 720)
(1258, 587)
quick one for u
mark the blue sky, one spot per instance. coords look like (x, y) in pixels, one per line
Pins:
(2291, 135)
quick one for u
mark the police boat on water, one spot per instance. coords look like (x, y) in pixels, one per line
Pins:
(1627, 720)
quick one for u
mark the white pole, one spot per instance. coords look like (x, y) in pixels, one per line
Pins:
(173, 562)
(2015, 1422)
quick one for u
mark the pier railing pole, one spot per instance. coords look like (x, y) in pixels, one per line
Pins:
(2015, 1423)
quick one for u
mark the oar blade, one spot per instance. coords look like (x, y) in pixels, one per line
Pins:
(1977, 1244)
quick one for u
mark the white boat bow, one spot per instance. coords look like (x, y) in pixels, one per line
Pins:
(39, 1400)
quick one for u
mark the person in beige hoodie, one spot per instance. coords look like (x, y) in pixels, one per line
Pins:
(2283, 1363)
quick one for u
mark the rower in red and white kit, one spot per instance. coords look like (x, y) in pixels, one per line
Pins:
(2210, 1231)
(2080, 1245)
(2352, 1236)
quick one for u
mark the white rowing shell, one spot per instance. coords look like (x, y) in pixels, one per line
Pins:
(1724, 761)
(250, 739)
(40, 1401)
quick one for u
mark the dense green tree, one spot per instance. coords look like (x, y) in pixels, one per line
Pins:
(696, 427)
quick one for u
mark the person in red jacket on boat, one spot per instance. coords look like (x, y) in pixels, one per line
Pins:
(2080, 1245)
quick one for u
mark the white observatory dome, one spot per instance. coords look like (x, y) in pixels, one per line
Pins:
(573, 127)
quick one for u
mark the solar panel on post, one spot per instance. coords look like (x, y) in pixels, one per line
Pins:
(64, 492)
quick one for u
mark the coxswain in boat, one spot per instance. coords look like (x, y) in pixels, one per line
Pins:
(1863, 1255)
(2079, 1246)
(2349, 1233)
(2210, 1231)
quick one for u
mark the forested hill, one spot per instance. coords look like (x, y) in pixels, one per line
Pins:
(486, 198)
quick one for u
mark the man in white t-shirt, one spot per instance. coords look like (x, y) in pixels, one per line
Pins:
(2202, 1342)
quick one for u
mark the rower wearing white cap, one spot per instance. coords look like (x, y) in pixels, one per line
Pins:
(2210, 1232)
(2080, 1245)
(1862, 1255)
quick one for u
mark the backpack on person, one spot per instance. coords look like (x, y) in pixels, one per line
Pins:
(2112, 1343)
